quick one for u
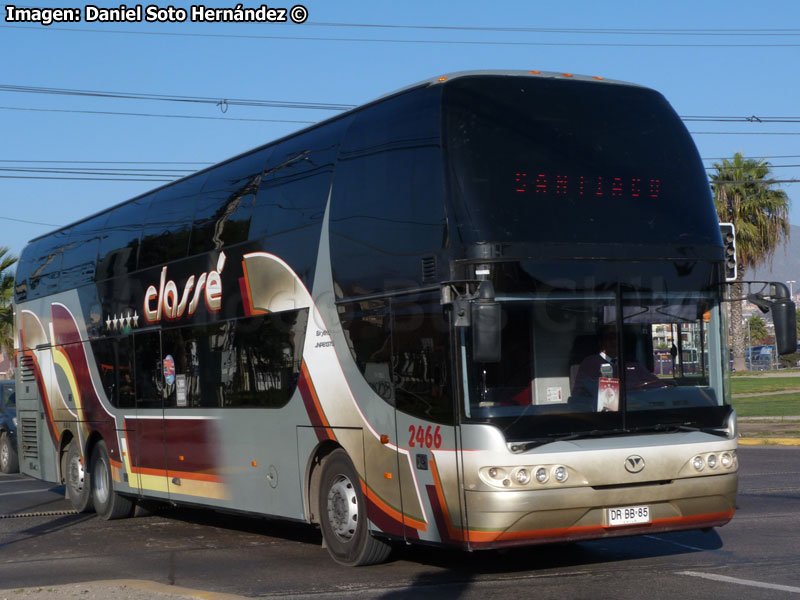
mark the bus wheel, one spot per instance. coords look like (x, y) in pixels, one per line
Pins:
(9, 462)
(107, 503)
(78, 481)
(343, 515)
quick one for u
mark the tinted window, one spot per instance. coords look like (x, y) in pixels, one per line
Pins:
(23, 270)
(367, 327)
(294, 190)
(388, 205)
(9, 396)
(149, 369)
(165, 236)
(80, 255)
(224, 208)
(421, 361)
(245, 363)
(535, 159)
(113, 358)
(46, 264)
(119, 245)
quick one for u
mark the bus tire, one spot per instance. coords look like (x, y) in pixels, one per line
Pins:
(77, 479)
(343, 515)
(107, 503)
(9, 461)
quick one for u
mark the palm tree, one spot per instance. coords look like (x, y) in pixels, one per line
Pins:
(6, 298)
(744, 195)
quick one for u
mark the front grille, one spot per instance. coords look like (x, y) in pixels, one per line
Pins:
(30, 439)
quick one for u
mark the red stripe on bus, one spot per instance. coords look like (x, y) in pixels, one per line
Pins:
(244, 285)
(392, 513)
(441, 514)
(67, 338)
(313, 407)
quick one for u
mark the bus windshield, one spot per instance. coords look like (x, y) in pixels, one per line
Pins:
(580, 362)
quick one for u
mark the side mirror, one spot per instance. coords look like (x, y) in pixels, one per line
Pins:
(486, 326)
(784, 317)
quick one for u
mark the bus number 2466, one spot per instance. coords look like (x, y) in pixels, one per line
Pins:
(424, 438)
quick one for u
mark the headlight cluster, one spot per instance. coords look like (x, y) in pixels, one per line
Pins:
(516, 477)
(714, 461)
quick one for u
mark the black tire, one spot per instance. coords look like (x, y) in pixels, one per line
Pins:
(9, 461)
(108, 503)
(343, 515)
(77, 479)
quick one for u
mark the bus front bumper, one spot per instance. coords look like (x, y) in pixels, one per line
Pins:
(512, 518)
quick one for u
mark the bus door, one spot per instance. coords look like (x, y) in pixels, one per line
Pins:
(145, 432)
(423, 394)
(367, 326)
(191, 445)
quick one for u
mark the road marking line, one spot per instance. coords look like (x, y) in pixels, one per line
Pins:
(24, 492)
(758, 584)
(660, 539)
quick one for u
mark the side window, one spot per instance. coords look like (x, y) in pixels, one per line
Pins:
(421, 360)
(367, 328)
(294, 190)
(388, 208)
(43, 278)
(149, 369)
(119, 243)
(247, 363)
(165, 236)
(113, 357)
(225, 205)
(24, 269)
(80, 254)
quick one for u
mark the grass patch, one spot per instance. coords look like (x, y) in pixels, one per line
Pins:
(780, 405)
(768, 384)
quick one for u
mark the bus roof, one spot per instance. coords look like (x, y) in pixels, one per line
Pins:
(435, 80)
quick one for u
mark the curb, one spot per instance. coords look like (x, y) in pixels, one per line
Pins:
(769, 441)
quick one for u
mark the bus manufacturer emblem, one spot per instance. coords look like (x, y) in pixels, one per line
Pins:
(634, 464)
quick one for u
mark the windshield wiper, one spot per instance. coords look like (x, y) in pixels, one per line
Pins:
(575, 435)
(596, 433)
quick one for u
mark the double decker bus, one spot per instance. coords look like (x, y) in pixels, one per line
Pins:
(382, 324)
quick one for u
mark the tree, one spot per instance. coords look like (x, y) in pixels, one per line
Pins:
(758, 330)
(6, 301)
(744, 195)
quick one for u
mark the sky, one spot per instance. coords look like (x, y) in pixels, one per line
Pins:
(712, 59)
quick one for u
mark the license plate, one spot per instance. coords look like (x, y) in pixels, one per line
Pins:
(628, 515)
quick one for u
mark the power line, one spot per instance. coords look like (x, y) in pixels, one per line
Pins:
(751, 119)
(80, 178)
(575, 30)
(129, 114)
(26, 221)
(395, 41)
(109, 162)
(223, 103)
(745, 132)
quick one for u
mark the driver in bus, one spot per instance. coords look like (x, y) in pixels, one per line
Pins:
(605, 364)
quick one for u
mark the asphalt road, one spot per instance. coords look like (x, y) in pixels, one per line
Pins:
(755, 556)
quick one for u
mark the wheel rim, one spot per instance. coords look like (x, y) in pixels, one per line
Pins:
(4, 454)
(100, 478)
(76, 475)
(343, 508)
